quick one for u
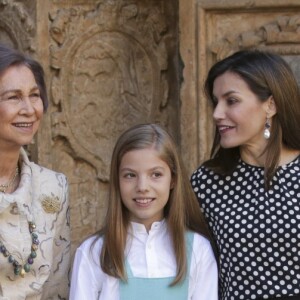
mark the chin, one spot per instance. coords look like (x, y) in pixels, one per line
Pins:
(25, 143)
(227, 145)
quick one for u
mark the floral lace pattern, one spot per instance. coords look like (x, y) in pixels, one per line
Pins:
(42, 197)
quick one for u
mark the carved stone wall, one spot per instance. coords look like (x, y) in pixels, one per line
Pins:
(111, 67)
(114, 63)
(213, 29)
(109, 64)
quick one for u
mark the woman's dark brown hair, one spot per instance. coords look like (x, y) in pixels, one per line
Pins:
(266, 74)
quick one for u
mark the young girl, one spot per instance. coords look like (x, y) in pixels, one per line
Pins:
(152, 245)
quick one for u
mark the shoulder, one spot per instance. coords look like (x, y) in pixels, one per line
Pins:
(89, 250)
(93, 240)
(201, 242)
(41, 172)
(92, 244)
(201, 172)
(203, 178)
(202, 248)
(49, 183)
(44, 172)
(51, 189)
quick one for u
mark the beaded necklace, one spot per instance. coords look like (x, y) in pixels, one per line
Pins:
(22, 269)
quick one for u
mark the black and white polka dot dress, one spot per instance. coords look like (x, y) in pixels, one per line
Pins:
(257, 231)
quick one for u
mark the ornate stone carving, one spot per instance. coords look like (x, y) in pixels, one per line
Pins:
(109, 70)
(110, 64)
(281, 35)
(16, 26)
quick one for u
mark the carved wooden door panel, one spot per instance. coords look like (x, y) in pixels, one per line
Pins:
(213, 29)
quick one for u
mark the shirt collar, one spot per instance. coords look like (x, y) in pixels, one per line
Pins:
(138, 227)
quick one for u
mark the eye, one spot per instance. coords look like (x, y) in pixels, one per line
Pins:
(12, 98)
(231, 101)
(35, 96)
(129, 175)
(157, 174)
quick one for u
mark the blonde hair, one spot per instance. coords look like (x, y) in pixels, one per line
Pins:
(182, 211)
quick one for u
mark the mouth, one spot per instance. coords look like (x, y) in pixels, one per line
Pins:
(143, 201)
(224, 128)
(23, 125)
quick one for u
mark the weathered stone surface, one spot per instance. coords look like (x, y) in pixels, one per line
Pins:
(111, 70)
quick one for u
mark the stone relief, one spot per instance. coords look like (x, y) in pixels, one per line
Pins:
(281, 35)
(109, 63)
(109, 71)
(16, 26)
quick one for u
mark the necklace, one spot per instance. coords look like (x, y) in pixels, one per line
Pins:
(22, 269)
(4, 187)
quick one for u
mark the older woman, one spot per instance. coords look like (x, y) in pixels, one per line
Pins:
(249, 189)
(34, 228)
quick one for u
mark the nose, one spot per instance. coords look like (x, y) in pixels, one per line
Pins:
(219, 112)
(27, 106)
(142, 184)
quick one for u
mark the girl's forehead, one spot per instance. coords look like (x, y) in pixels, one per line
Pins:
(146, 158)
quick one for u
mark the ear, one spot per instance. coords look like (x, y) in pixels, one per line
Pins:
(270, 107)
(172, 185)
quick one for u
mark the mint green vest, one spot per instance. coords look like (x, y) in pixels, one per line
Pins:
(137, 288)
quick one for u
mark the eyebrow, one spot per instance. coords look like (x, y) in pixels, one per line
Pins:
(18, 90)
(226, 94)
(152, 169)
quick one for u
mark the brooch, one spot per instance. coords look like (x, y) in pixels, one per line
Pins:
(50, 205)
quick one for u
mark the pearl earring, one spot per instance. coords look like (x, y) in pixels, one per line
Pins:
(267, 132)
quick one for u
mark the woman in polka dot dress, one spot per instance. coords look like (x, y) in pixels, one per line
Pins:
(250, 188)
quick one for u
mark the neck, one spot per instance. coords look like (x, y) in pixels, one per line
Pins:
(8, 164)
(287, 155)
(255, 157)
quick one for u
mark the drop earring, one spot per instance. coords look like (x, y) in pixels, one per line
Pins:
(267, 132)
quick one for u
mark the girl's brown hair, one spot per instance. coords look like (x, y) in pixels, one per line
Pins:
(182, 211)
(266, 74)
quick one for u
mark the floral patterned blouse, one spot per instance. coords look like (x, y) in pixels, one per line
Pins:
(42, 198)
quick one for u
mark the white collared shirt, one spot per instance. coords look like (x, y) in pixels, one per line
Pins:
(150, 255)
